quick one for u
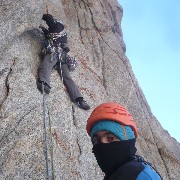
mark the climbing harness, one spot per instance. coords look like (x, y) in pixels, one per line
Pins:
(46, 144)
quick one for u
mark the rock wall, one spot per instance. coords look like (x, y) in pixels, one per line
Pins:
(103, 74)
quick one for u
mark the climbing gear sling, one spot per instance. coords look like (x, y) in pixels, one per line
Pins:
(59, 52)
(54, 36)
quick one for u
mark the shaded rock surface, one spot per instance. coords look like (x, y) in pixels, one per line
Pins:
(104, 74)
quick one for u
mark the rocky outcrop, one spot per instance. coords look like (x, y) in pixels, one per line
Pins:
(104, 74)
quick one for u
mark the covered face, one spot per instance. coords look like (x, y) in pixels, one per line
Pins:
(104, 137)
(113, 134)
(116, 129)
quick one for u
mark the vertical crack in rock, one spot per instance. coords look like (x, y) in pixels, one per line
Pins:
(96, 28)
(6, 80)
(116, 27)
(74, 122)
(79, 147)
(79, 24)
(114, 51)
(92, 19)
(84, 4)
(77, 141)
(139, 96)
(147, 120)
(74, 119)
(103, 65)
(102, 52)
(143, 104)
(167, 170)
(102, 5)
(123, 59)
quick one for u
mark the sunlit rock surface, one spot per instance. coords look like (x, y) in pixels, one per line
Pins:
(103, 74)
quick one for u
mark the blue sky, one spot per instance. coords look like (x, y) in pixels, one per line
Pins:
(151, 31)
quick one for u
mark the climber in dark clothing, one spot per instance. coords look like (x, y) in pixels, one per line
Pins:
(55, 55)
(113, 134)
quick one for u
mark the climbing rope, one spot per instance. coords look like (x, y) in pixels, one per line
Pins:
(71, 128)
(51, 147)
(45, 135)
(48, 177)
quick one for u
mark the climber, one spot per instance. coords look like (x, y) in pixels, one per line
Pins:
(55, 55)
(113, 134)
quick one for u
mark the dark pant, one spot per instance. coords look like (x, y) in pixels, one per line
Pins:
(45, 70)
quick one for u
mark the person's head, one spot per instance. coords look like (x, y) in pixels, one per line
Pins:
(113, 133)
(48, 18)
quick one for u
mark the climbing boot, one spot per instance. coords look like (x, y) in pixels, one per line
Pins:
(46, 86)
(82, 104)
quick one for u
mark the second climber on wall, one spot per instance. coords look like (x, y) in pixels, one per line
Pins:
(56, 56)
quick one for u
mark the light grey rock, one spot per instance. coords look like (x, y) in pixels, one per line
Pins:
(104, 74)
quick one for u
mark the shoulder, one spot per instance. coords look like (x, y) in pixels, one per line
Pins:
(148, 174)
(123, 172)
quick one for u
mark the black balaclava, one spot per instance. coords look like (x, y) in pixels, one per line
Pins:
(110, 156)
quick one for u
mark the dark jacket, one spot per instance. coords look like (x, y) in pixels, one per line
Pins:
(134, 170)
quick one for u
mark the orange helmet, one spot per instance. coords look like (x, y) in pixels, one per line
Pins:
(111, 111)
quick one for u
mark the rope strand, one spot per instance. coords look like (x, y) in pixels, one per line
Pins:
(45, 135)
(51, 147)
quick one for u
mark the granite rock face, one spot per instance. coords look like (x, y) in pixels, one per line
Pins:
(103, 74)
